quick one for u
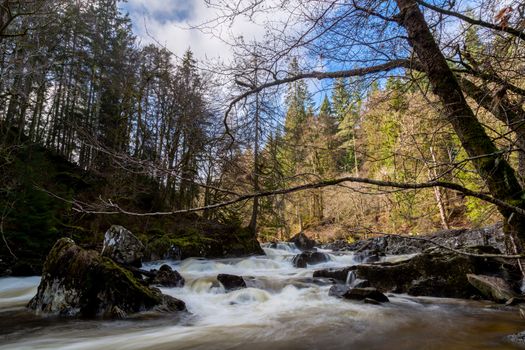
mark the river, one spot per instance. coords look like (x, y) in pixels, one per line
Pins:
(283, 308)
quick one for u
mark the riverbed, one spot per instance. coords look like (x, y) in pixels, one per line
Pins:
(282, 308)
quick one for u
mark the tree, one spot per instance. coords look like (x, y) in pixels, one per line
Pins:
(405, 40)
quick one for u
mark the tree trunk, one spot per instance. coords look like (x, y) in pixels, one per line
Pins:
(255, 175)
(504, 110)
(437, 191)
(499, 177)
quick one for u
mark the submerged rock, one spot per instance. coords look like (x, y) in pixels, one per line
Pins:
(231, 282)
(302, 241)
(78, 282)
(122, 246)
(167, 277)
(366, 293)
(355, 293)
(309, 258)
(494, 288)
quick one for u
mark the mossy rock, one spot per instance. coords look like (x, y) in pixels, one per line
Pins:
(78, 282)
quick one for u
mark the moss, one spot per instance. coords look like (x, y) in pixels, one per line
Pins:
(100, 283)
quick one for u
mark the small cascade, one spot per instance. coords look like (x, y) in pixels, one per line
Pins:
(350, 278)
(280, 248)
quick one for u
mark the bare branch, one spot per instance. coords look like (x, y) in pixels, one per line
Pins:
(516, 32)
(116, 209)
(394, 64)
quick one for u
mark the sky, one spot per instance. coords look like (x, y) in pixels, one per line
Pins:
(167, 22)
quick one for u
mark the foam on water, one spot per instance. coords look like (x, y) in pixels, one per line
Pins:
(281, 309)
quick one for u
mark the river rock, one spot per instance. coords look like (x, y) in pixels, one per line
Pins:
(494, 288)
(434, 273)
(339, 273)
(309, 258)
(231, 282)
(78, 282)
(359, 283)
(368, 256)
(458, 239)
(122, 246)
(354, 293)
(302, 241)
(517, 339)
(167, 277)
(371, 301)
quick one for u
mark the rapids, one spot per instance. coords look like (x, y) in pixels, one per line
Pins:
(282, 308)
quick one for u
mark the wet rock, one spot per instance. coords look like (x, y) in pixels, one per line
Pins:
(309, 258)
(371, 301)
(359, 283)
(494, 288)
(517, 339)
(231, 282)
(339, 274)
(167, 277)
(338, 290)
(366, 293)
(368, 256)
(436, 273)
(78, 282)
(354, 293)
(302, 241)
(458, 239)
(122, 246)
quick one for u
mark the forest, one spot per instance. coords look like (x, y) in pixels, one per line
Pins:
(398, 123)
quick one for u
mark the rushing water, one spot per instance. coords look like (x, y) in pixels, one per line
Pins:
(282, 308)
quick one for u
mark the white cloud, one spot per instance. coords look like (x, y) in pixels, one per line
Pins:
(168, 23)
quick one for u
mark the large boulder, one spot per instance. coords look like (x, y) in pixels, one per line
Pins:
(78, 282)
(231, 282)
(309, 258)
(302, 241)
(122, 246)
(433, 273)
(492, 287)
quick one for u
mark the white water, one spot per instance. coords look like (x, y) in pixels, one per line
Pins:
(282, 309)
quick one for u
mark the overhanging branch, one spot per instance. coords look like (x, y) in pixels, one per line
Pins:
(113, 208)
(394, 64)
